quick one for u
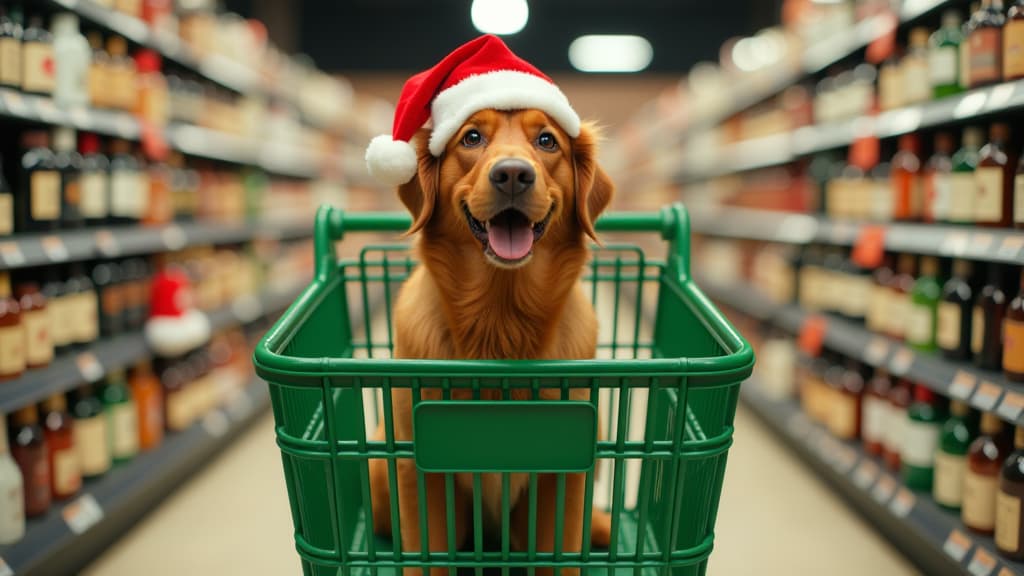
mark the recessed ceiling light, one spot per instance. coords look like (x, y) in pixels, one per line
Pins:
(610, 53)
(499, 16)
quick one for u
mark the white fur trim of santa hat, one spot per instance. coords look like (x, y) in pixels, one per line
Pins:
(392, 162)
(500, 90)
(171, 336)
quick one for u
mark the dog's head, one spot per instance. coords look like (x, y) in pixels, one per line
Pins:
(509, 184)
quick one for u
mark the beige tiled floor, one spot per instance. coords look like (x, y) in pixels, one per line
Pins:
(233, 518)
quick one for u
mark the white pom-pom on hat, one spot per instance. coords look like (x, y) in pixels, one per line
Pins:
(391, 162)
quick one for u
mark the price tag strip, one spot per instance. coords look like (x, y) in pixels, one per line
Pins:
(957, 545)
(901, 361)
(89, 367)
(10, 253)
(54, 248)
(174, 237)
(963, 384)
(954, 244)
(982, 564)
(107, 244)
(986, 396)
(1011, 406)
(865, 474)
(216, 423)
(82, 514)
(876, 351)
(1011, 247)
(882, 491)
(980, 244)
(903, 503)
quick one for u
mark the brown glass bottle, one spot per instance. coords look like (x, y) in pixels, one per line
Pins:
(985, 36)
(1013, 336)
(12, 335)
(987, 321)
(846, 402)
(984, 460)
(906, 179)
(1009, 533)
(35, 318)
(994, 176)
(177, 412)
(953, 334)
(149, 400)
(875, 412)
(900, 396)
(65, 475)
(1018, 195)
(28, 447)
(878, 305)
(900, 286)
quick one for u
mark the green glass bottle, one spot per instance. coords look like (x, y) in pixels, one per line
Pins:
(122, 420)
(921, 439)
(924, 306)
(963, 188)
(944, 56)
(951, 458)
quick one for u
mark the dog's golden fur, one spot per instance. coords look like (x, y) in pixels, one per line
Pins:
(462, 304)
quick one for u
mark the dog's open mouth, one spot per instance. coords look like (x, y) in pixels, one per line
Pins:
(509, 236)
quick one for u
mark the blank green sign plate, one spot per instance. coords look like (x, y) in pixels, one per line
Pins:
(505, 436)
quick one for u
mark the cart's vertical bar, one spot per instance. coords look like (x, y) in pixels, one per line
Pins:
(679, 421)
(646, 472)
(531, 529)
(387, 297)
(449, 510)
(421, 488)
(559, 520)
(619, 473)
(505, 522)
(389, 447)
(478, 525)
(367, 317)
(364, 481)
(615, 302)
(638, 320)
(332, 448)
(588, 490)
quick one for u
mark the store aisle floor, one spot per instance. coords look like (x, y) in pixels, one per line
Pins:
(233, 518)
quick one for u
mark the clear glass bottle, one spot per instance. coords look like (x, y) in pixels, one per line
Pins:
(962, 183)
(71, 55)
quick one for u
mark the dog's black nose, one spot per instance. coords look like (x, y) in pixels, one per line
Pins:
(512, 176)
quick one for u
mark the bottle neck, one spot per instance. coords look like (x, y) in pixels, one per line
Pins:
(991, 424)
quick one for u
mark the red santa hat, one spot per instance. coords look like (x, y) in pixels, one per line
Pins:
(174, 326)
(481, 74)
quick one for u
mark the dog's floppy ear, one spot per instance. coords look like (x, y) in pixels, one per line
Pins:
(594, 189)
(420, 194)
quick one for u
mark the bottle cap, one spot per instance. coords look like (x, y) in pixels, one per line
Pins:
(959, 408)
(35, 139)
(991, 424)
(147, 61)
(88, 143)
(923, 394)
(910, 143)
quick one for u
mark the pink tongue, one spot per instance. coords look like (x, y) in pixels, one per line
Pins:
(510, 238)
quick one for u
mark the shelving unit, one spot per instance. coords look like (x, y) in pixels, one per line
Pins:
(934, 538)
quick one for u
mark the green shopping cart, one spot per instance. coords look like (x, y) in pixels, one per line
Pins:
(666, 383)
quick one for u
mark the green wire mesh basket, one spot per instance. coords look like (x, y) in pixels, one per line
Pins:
(665, 384)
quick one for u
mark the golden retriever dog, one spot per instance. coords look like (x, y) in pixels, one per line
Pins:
(504, 216)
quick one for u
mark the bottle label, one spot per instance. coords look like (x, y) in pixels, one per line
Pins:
(881, 201)
(45, 186)
(948, 332)
(124, 430)
(843, 417)
(60, 311)
(178, 410)
(12, 507)
(10, 61)
(920, 326)
(1007, 522)
(979, 506)
(66, 477)
(12, 350)
(878, 308)
(112, 300)
(977, 330)
(1018, 201)
(1013, 49)
(916, 80)
(92, 445)
(39, 349)
(948, 486)
(899, 310)
(942, 65)
(986, 52)
(942, 196)
(151, 416)
(38, 71)
(6, 214)
(1013, 342)
(876, 412)
(895, 429)
(86, 321)
(988, 204)
(857, 295)
(124, 194)
(965, 63)
(961, 200)
(921, 440)
(94, 195)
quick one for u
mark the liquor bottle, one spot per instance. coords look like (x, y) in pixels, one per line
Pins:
(1009, 536)
(878, 305)
(1018, 195)
(938, 189)
(12, 492)
(924, 303)
(106, 277)
(65, 476)
(177, 412)
(896, 424)
(40, 185)
(72, 58)
(6, 205)
(951, 458)
(151, 105)
(68, 162)
(84, 306)
(91, 438)
(126, 202)
(122, 418)
(981, 483)
(846, 407)
(900, 287)
(993, 206)
(59, 307)
(12, 333)
(857, 285)
(906, 179)
(36, 319)
(95, 181)
(1013, 336)
(875, 412)
(28, 446)
(962, 183)
(943, 56)
(987, 321)
(37, 65)
(953, 334)
(149, 399)
(10, 47)
(122, 74)
(1013, 42)
(100, 76)
(923, 430)
(985, 35)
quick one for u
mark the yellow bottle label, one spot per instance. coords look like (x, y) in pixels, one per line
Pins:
(921, 440)
(977, 330)
(39, 347)
(843, 417)
(919, 324)
(1013, 342)
(1007, 522)
(1013, 49)
(947, 333)
(948, 486)
(94, 195)
(66, 475)
(10, 61)
(963, 190)
(38, 67)
(979, 507)
(60, 311)
(12, 350)
(6, 214)
(86, 319)
(125, 427)
(45, 185)
(92, 445)
(988, 204)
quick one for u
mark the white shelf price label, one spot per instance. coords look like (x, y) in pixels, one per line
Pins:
(1010, 247)
(882, 491)
(89, 367)
(901, 361)
(957, 545)
(845, 459)
(1011, 406)
(54, 248)
(876, 351)
(981, 244)
(82, 514)
(11, 254)
(986, 396)
(903, 503)
(15, 103)
(174, 237)
(107, 244)
(865, 474)
(216, 423)
(982, 564)
(963, 384)
(954, 244)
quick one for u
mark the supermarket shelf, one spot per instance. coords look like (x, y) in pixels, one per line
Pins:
(24, 251)
(930, 536)
(789, 146)
(72, 534)
(72, 369)
(815, 58)
(985, 390)
(972, 243)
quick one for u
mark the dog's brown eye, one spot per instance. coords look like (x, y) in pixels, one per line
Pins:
(472, 139)
(546, 141)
